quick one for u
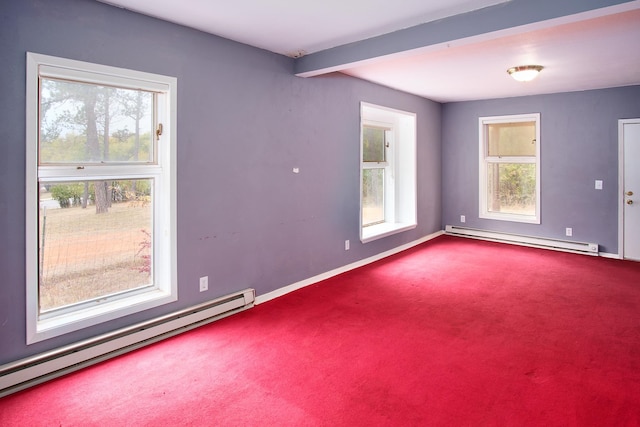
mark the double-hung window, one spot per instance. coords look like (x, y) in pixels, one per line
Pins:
(377, 179)
(510, 168)
(101, 189)
(387, 172)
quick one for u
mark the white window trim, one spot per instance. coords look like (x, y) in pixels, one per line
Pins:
(483, 159)
(401, 180)
(165, 264)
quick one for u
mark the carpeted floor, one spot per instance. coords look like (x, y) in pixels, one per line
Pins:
(453, 332)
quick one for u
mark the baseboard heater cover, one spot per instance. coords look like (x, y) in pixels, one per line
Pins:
(538, 242)
(21, 374)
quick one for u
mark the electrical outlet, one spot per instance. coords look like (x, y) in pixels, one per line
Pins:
(463, 218)
(569, 231)
(598, 184)
(346, 245)
(204, 283)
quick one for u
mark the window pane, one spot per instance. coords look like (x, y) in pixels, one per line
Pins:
(88, 123)
(511, 188)
(88, 251)
(372, 196)
(511, 139)
(373, 144)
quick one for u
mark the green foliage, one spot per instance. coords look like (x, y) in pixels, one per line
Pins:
(73, 148)
(517, 184)
(143, 188)
(67, 194)
(123, 149)
(130, 190)
(60, 150)
(373, 144)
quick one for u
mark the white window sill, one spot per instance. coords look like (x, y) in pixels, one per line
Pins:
(530, 219)
(378, 231)
(92, 315)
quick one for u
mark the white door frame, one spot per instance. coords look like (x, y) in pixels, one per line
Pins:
(621, 124)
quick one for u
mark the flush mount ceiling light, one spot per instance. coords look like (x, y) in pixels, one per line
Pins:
(525, 73)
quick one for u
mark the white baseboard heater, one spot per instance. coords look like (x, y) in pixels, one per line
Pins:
(37, 369)
(537, 242)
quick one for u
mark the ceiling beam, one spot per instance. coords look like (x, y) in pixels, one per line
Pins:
(483, 23)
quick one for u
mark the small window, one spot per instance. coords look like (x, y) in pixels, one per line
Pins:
(101, 162)
(374, 164)
(510, 168)
(388, 144)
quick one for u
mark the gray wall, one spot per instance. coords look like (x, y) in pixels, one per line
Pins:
(244, 122)
(579, 144)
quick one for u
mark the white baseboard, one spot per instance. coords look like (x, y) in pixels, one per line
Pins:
(608, 255)
(584, 248)
(323, 276)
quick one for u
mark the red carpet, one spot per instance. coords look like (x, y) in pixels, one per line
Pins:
(454, 332)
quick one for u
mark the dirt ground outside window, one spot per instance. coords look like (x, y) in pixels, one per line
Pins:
(84, 255)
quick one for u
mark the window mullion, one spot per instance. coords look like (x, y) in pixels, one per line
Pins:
(375, 165)
(523, 159)
(48, 173)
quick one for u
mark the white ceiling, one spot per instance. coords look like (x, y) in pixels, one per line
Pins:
(587, 54)
(592, 50)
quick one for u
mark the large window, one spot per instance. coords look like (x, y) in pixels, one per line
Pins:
(510, 168)
(388, 172)
(100, 194)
